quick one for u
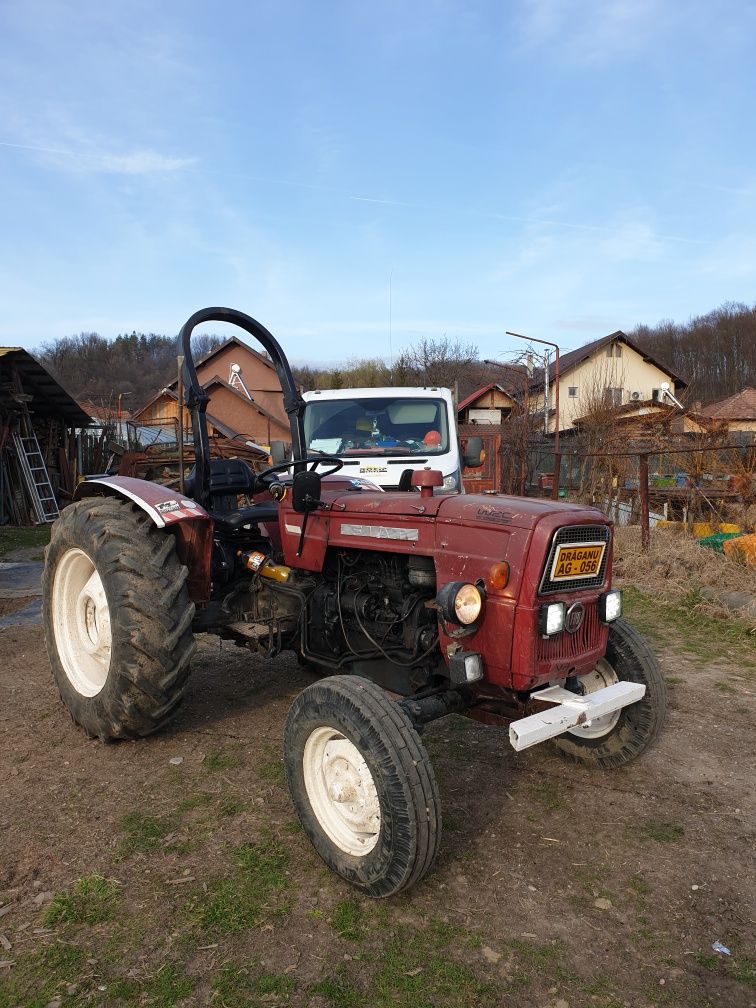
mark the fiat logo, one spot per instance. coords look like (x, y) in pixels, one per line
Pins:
(574, 618)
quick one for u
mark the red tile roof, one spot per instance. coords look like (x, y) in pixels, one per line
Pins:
(741, 406)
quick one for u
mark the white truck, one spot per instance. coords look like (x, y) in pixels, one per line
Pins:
(383, 434)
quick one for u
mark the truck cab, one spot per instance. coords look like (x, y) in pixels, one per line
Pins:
(383, 434)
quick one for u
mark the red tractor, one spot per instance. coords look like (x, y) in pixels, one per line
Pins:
(412, 605)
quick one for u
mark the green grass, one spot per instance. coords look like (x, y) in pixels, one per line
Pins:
(13, 538)
(218, 760)
(145, 833)
(724, 687)
(744, 970)
(338, 990)
(239, 902)
(549, 793)
(346, 920)
(230, 806)
(167, 987)
(661, 832)
(234, 986)
(705, 636)
(36, 980)
(91, 900)
(417, 969)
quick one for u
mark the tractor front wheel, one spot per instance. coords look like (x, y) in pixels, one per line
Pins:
(117, 618)
(362, 784)
(615, 739)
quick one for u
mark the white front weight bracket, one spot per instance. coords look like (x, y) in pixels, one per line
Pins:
(570, 711)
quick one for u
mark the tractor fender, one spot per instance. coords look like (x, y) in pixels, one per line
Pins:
(163, 505)
(191, 524)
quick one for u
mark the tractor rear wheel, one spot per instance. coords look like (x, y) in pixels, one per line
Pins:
(362, 784)
(615, 739)
(117, 618)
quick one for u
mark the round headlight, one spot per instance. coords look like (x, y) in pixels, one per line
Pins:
(460, 602)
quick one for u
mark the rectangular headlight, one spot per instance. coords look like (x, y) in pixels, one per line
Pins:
(610, 606)
(465, 667)
(551, 619)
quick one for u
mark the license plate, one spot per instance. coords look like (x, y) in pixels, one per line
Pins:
(577, 561)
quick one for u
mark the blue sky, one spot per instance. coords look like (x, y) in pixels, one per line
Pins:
(556, 167)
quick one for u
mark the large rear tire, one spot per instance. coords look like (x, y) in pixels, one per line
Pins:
(362, 784)
(617, 738)
(117, 619)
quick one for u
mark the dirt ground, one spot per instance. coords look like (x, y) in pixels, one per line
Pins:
(172, 872)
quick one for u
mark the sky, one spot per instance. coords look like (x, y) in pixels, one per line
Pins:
(362, 175)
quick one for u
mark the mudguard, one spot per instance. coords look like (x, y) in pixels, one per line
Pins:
(191, 524)
(163, 505)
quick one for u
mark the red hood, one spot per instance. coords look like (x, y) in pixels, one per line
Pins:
(485, 511)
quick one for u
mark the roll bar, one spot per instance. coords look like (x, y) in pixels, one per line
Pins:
(197, 398)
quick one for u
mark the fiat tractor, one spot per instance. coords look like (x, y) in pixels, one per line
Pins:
(407, 606)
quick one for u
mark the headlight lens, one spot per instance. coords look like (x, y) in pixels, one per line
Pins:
(468, 604)
(610, 606)
(460, 602)
(551, 618)
(451, 482)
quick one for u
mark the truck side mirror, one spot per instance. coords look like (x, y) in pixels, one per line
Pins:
(279, 452)
(305, 491)
(472, 456)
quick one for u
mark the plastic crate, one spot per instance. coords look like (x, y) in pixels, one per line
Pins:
(716, 542)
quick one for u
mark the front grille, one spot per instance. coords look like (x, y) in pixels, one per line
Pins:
(566, 646)
(575, 534)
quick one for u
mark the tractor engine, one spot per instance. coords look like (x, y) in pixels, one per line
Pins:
(372, 607)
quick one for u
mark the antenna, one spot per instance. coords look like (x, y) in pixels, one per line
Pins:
(665, 391)
(235, 380)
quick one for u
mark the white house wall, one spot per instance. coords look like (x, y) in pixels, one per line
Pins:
(593, 376)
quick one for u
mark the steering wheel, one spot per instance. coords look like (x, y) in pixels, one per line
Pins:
(333, 460)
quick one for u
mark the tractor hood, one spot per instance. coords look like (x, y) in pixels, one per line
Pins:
(485, 511)
(497, 510)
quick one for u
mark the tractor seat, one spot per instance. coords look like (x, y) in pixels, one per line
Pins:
(227, 476)
(232, 521)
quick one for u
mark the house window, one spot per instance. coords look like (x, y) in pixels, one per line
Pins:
(572, 391)
(614, 350)
(614, 396)
(655, 395)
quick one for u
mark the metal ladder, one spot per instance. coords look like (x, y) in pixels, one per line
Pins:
(36, 477)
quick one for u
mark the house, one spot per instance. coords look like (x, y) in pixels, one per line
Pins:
(245, 396)
(611, 371)
(737, 412)
(638, 420)
(491, 404)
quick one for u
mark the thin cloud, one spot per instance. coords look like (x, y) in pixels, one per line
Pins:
(137, 163)
(594, 30)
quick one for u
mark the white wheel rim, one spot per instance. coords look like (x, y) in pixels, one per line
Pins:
(81, 622)
(602, 675)
(342, 792)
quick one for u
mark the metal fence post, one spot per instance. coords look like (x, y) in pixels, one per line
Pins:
(643, 486)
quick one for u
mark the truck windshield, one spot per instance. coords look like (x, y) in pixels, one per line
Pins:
(367, 426)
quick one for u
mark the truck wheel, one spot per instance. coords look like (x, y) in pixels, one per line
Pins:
(615, 739)
(117, 618)
(362, 784)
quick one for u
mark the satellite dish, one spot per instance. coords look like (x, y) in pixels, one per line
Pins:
(235, 368)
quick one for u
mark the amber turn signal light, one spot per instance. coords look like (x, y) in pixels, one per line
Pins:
(498, 576)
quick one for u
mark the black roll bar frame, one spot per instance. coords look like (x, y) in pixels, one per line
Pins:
(197, 398)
